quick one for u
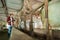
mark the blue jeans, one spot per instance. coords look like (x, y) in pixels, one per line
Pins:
(9, 30)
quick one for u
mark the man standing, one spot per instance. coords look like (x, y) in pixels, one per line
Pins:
(10, 22)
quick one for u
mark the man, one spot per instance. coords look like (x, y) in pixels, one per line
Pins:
(10, 22)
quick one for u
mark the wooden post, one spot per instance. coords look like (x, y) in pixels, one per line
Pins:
(24, 9)
(31, 15)
(25, 21)
(31, 21)
(46, 18)
(21, 14)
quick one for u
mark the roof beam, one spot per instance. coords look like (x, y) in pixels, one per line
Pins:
(5, 6)
(2, 3)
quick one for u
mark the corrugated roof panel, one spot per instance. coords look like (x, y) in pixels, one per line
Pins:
(2, 10)
(11, 10)
(14, 4)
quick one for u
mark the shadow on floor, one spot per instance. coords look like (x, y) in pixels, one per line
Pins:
(3, 35)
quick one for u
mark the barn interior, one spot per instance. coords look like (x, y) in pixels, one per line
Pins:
(33, 19)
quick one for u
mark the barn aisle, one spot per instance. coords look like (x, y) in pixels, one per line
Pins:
(18, 35)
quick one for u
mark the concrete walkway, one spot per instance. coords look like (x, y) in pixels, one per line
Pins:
(18, 35)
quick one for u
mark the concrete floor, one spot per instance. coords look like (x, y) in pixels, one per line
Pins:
(18, 35)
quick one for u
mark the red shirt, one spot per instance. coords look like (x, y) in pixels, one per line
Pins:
(9, 20)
